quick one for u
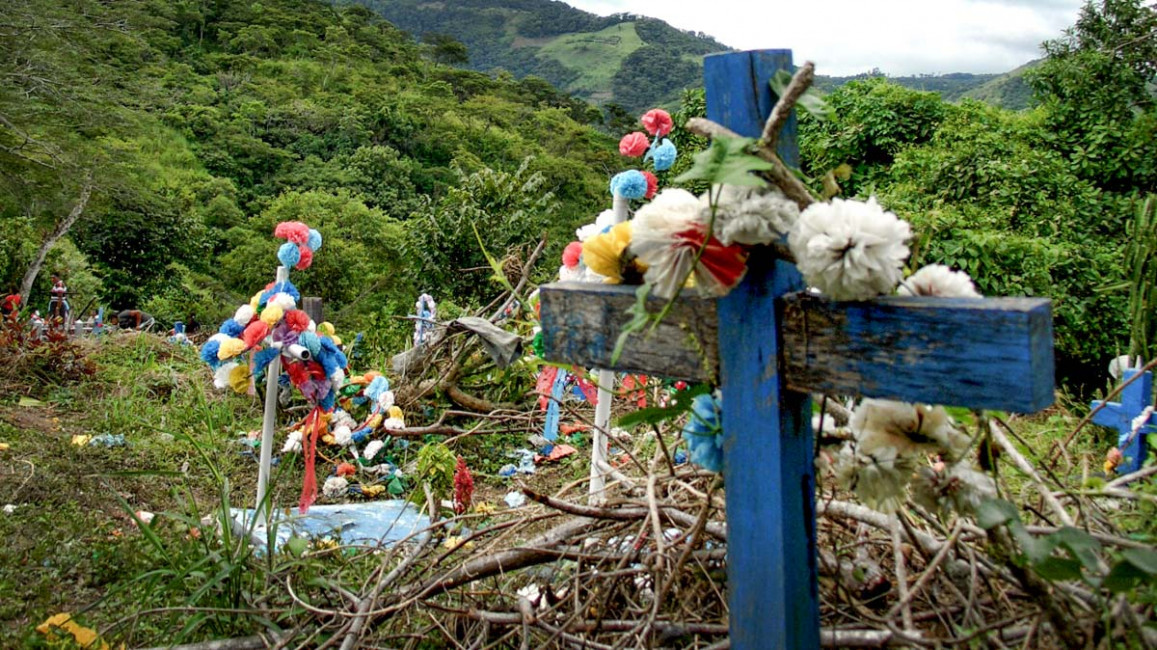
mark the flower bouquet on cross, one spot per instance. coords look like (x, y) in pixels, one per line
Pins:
(845, 249)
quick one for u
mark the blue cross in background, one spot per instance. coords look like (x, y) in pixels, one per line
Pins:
(1136, 397)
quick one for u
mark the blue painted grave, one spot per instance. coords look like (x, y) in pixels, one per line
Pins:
(1123, 416)
(768, 346)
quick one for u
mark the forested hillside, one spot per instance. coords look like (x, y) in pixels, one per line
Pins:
(634, 62)
(181, 132)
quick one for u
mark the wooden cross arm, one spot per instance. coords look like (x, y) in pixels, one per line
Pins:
(993, 353)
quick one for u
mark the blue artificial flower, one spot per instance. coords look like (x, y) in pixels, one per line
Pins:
(704, 433)
(630, 184)
(327, 402)
(289, 254)
(286, 287)
(378, 386)
(310, 341)
(663, 155)
(263, 358)
(209, 353)
(328, 361)
(314, 241)
(231, 328)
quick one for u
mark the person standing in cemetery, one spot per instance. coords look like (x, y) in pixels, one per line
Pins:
(58, 302)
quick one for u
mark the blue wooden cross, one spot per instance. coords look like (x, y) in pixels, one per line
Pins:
(1120, 415)
(769, 346)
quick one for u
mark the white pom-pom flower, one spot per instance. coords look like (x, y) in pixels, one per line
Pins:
(292, 443)
(221, 375)
(386, 400)
(605, 220)
(342, 436)
(750, 215)
(335, 486)
(372, 449)
(939, 281)
(850, 250)
(393, 424)
(283, 300)
(566, 274)
(244, 314)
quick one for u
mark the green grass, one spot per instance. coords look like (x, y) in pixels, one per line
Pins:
(597, 56)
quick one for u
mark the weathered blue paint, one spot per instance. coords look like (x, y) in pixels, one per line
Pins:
(993, 353)
(768, 449)
(1120, 415)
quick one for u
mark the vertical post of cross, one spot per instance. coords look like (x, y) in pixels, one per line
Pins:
(269, 424)
(768, 446)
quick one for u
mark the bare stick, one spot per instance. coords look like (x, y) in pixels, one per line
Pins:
(800, 82)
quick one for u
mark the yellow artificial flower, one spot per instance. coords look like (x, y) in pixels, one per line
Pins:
(395, 412)
(485, 508)
(325, 328)
(271, 314)
(255, 301)
(3, 446)
(453, 541)
(373, 490)
(85, 637)
(603, 253)
(239, 378)
(230, 348)
(81, 440)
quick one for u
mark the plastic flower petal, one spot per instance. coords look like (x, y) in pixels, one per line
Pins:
(603, 253)
(630, 184)
(602, 223)
(703, 433)
(657, 122)
(910, 429)
(850, 250)
(667, 234)
(230, 348)
(305, 260)
(314, 240)
(634, 144)
(750, 215)
(292, 231)
(271, 314)
(652, 184)
(244, 314)
(572, 255)
(289, 254)
(663, 156)
(334, 487)
(239, 378)
(940, 281)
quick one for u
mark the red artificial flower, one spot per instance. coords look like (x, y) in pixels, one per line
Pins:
(572, 254)
(657, 122)
(346, 469)
(463, 487)
(652, 184)
(634, 144)
(293, 231)
(254, 333)
(297, 320)
(306, 258)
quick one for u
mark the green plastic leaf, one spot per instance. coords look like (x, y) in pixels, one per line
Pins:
(726, 162)
(990, 514)
(1058, 568)
(395, 487)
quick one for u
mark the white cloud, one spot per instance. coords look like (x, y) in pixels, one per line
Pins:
(850, 36)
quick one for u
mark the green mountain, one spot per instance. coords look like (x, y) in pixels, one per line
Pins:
(180, 135)
(633, 61)
(1009, 90)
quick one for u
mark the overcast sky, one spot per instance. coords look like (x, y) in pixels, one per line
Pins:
(845, 37)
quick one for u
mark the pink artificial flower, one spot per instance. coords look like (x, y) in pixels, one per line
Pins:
(293, 231)
(652, 184)
(306, 259)
(572, 254)
(657, 122)
(634, 144)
